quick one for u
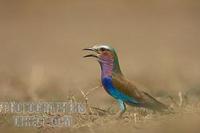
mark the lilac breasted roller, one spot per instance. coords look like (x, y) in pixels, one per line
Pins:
(117, 85)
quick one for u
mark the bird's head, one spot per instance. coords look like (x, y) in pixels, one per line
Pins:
(105, 54)
(101, 52)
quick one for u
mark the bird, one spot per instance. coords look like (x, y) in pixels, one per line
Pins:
(117, 85)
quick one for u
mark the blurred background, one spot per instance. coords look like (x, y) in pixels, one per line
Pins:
(41, 44)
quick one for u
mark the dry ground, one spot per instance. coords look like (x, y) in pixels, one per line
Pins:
(185, 119)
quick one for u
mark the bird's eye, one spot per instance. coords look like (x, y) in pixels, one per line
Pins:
(102, 49)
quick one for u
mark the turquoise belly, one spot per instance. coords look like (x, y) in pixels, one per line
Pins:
(114, 92)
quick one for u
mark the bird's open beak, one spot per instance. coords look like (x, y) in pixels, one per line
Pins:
(91, 55)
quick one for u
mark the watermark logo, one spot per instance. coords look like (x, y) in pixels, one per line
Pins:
(35, 114)
(39, 121)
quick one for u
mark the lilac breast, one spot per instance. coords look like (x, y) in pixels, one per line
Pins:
(106, 66)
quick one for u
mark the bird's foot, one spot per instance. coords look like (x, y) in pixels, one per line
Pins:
(118, 115)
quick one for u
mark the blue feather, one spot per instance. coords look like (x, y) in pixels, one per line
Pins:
(114, 92)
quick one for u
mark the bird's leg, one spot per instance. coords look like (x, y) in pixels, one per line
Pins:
(122, 107)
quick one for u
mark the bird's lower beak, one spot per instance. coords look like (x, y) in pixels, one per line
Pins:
(91, 55)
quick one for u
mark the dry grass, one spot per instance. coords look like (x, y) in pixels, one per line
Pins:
(97, 119)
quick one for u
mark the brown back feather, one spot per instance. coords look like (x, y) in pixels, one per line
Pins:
(129, 89)
(125, 86)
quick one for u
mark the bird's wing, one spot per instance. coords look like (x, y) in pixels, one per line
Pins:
(152, 103)
(126, 87)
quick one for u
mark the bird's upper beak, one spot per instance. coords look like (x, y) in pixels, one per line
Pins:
(91, 55)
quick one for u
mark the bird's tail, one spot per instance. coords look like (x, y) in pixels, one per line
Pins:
(154, 104)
